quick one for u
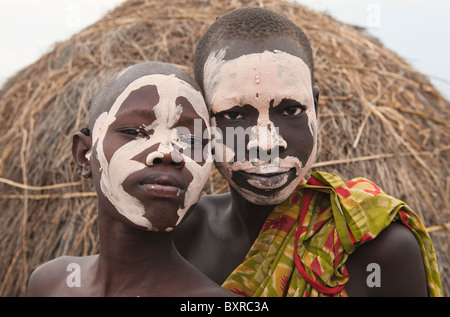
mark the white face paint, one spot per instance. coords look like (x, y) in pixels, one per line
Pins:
(262, 80)
(122, 165)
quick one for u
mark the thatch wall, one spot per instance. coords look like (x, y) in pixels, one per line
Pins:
(379, 118)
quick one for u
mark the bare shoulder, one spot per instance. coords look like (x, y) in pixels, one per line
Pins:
(389, 265)
(45, 277)
(211, 205)
(205, 215)
(49, 278)
(204, 238)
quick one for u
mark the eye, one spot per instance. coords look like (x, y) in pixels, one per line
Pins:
(136, 133)
(191, 140)
(293, 111)
(232, 115)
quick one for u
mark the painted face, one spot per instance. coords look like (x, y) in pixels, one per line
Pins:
(145, 145)
(268, 98)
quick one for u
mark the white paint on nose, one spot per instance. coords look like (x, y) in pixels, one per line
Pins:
(266, 138)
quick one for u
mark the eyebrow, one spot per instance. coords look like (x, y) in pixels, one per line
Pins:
(187, 120)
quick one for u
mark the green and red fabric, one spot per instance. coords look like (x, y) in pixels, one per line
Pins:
(306, 240)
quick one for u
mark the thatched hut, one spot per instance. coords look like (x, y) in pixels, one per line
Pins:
(379, 118)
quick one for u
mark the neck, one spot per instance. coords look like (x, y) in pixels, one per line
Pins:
(130, 256)
(251, 215)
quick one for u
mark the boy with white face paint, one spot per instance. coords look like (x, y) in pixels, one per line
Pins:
(276, 233)
(270, 82)
(145, 126)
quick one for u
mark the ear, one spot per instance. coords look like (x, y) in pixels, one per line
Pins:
(81, 145)
(316, 93)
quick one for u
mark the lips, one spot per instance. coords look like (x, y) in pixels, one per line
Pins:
(163, 185)
(267, 181)
(162, 190)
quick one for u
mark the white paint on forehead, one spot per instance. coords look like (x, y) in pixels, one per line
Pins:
(270, 74)
(256, 79)
(122, 165)
(170, 88)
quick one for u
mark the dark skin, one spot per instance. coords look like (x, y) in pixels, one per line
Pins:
(225, 226)
(132, 260)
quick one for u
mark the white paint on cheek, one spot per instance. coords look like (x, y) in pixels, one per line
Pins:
(122, 165)
(200, 176)
(119, 168)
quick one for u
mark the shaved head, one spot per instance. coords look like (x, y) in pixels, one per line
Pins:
(106, 96)
(254, 30)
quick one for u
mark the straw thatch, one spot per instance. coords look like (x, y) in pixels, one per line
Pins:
(379, 118)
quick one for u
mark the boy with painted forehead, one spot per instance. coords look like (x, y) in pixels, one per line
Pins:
(146, 126)
(276, 233)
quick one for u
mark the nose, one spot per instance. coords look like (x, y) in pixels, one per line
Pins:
(165, 156)
(266, 139)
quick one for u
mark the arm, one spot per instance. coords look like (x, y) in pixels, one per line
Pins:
(394, 260)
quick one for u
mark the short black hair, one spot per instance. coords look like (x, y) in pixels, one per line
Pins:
(253, 24)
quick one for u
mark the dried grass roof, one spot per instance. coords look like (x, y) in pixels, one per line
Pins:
(379, 118)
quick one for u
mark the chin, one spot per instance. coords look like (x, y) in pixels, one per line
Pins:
(273, 197)
(162, 226)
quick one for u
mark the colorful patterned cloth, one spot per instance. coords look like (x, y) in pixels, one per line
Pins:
(306, 240)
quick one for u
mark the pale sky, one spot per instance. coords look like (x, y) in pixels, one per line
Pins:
(418, 30)
(29, 28)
